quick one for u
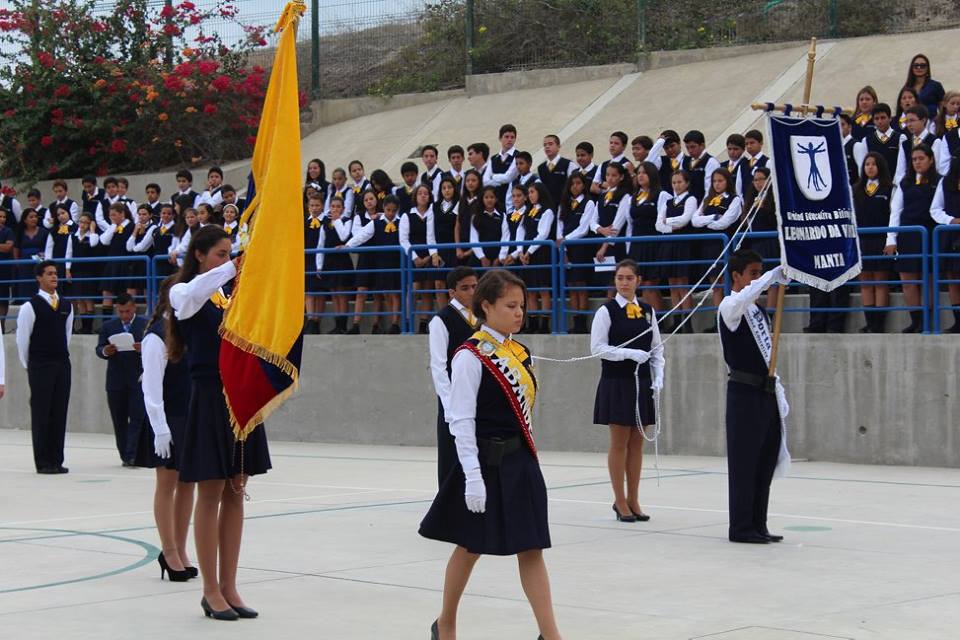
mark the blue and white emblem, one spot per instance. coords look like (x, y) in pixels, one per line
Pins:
(811, 166)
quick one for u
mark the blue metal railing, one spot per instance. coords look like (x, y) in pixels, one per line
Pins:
(145, 273)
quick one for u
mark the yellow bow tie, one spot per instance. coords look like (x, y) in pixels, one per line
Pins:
(356, 189)
(516, 348)
(715, 201)
(163, 230)
(315, 223)
(63, 230)
(550, 166)
(633, 311)
(533, 212)
(950, 123)
(608, 196)
(390, 227)
(872, 188)
(883, 138)
(54, 301)
(642, 196)
(119, 229)
(219, 300)
(863, 119)
(516, 215)
(381, 195)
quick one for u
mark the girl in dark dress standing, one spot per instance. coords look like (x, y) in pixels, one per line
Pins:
(470, 205)
(6, 254)
(210, 455)
(31, 241)
(673, 218)
(495, 500)
(643, 213)
(720, 209)
(166, 397)
(871, 200)
(945, 210)
(86, 244)
(538, 225)
(910, 205)
(576, 209)
(445, 229)
(765, 219)
(628, 380)
(116, 273)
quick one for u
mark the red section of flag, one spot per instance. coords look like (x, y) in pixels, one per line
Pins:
(247, 386)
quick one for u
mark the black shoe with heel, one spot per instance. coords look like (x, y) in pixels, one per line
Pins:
(623, 518)
(228, 614)
(244, 612)
(640, 515)
(434, 631)
(172, 574)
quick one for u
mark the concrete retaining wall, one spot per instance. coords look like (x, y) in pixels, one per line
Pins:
(866, 399)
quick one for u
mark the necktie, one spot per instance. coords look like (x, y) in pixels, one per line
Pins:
(126, 327)
(471, 319)
(608, 197)
(753, 161)
(883, 138)
(642, 196)
(54, 301)
(633, 311)
(674, 163)
(550, 166)
(163, 230)
(574, 203)
(917, 140)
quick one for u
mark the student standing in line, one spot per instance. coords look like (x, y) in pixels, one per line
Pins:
(629, 378)
(85, 275)
(871, 200)
(502, 169)
(673, 218)
(455, 156)
(490, 225)
(339, 189)
(445, 216)
(140, 243)
(612, 218)
(720, 209)
(387, 234)
(644, 209)
(335, 268)
(585, 166)
(945, 210)
(364, 226)
(616, 145)
(882, 139)
(360, 184)
(494, 502)
(863, 113)
(554, 171)
(576, 209)
(947, 130)
(735, 164)
(433, 173)
(470, 205)
(417, 228)
(538, 224)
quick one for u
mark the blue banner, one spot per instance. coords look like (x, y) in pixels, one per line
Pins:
(817, 224)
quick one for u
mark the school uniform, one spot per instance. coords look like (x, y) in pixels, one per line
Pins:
(701, 173)
(418, 229)
(140, 244)
(72, 206)
(537, 225)
(514, 223)
(673, 218)
(755, 409)
(208, 448)
(737, 171)
(362, 236)
(44, 328)
(386, 233)
(490, 226)
(212, 197)
(93, 203)
(163, 240)
(668, 166)
(910, 205)
(944, 208)
(124, 395)
(345, 194)
(451, 327)
(611, 211)
(467, 208)
(643, 215)
(949, 148)
(356, 192)
(522, 181)
(11, 204)
(601, 174)
(853, 171)
(59, 247)
(188, 199)
(155, 208)
(765, 219)
(165, 387)
(500, 171)
(116, 273)
(444, 227)
(432, 179)
(29, 247)
(553, 174)
(717, 213)
(907, 144)
(233, 230)
(625, 392)
(311, 240)
(873, 210)
(6, 270)
(862, 126)
(887, 144)
(494, 442)
(335, 267)
(574, 223)
(588, 173)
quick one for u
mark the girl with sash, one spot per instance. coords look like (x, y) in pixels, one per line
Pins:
(166, 396)
(576, 209)
(209, 454)
(629, 378)
(871, 200)
(495, 500)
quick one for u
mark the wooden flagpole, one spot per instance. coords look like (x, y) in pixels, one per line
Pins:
(782, 289)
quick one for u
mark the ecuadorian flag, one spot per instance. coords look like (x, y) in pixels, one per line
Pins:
(262, 328)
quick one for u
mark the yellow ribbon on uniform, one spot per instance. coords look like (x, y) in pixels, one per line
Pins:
(356, 189)
(920, 179)
(872, 188)
(550, 166)
(219, 300)
(314, 223)
(917, 140)
(573, 203)
(884, 137)
(862, 119)
(950, 122)
(390, 227)
(608, 197)
(119, 229)
(163, 230)
(642, 196)
(533, 212)
(381, 195)
(633, 311)
(715, 201)
(63, 230)
(516, 215)
(753, 161)
(674, 163)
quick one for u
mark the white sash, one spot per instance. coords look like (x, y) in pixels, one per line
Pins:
(757, 321)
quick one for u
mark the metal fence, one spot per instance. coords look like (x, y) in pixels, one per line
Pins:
(386, 276)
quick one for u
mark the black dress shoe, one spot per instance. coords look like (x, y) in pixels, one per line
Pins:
(173, 574)
(128, 464)
(434, 631)
(354, 330)
(194, 572)
(751, 539)
(62, 469)
(641, 516)
(772, 537)
(623, 518)
(244, 612)
(48, 471)
(228, 614)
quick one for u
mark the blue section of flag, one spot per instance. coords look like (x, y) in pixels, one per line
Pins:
(817, 224)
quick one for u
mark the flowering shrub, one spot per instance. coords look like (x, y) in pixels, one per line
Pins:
(140, 88)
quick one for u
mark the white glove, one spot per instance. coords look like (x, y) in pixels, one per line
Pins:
(779, 277)
(639, 355)
(475, 493)
(657, 382)
(161, 444)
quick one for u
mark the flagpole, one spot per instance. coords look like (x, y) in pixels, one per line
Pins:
(782, 289)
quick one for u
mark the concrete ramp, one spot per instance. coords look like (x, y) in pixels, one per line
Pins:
(713, 96)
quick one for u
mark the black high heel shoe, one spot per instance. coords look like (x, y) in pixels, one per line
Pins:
(228, 614)
(623, 518)
(172, 574)
(244, 612)
(435, 630)
(194, 572)
(641, 516)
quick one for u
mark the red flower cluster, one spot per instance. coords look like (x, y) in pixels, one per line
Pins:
(45, 59)
(206, 67)
(61, 91)
(46, 141)
(221, 83)
(173, 83)
(118, 146)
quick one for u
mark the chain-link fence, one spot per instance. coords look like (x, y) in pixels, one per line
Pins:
(384, 47)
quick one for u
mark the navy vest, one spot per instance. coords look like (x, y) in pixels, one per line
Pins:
(622, 329)
(554, 180)
(495, 417)
(457, 328)
(60, 241)
(418, 231)
(572, 215)
(675, 209)
(201, 336)
(444, 223)
(118, 243)
(697, 173)
(917, 199)
(873, 211)
(185, 200)
(889, 149)
(719, 210)
(48, 340)
(90, 203)
(666, 173)
(740, 350)
(644, 215)
(907, 145)
(489, 228)
(162, 241)
(531, 222)
(176, 379)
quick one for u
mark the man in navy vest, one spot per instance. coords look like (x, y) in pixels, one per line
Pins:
(449, 329)
(44, 327)
(756, 403)
(124, 394)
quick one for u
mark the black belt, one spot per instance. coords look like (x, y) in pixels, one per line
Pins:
(494, 450)
(765, 383)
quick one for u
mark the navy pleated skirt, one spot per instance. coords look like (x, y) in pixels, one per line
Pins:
(616, 402)
(146, 457)
(209, 450)
(516, 512)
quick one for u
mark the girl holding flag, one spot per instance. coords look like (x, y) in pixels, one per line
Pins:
(495, 500)
(210, 455)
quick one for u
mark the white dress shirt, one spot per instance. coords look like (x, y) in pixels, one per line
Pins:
(621, 218)
(154, 355)
(667, 225)
(938, 208)
(343, 226)
(600, 341)
(700, 220)
(187, 298)
(499, 179)
(599, 179)
(25, 319)
(361, 233)
(504, 237)
(896, 210)
(544, 225)
(439, 339)
(68, 252)
(143, 245)
(403, 230)
(733, 307)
